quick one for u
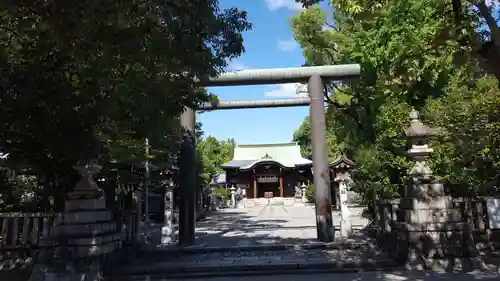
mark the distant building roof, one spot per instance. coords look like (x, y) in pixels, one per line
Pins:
(285, 154)
(218, 179)
(342, 162)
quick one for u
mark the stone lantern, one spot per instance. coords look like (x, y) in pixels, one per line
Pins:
(418, 138)
(304, 188)
(432, 230)
(233, 196)
(341, 168)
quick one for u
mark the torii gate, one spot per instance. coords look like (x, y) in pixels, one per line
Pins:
(321, 176)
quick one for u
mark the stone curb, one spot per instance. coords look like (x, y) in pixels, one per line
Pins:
(260, 273)
(261, 269)
(204, 249)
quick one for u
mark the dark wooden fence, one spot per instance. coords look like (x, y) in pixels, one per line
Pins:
(20, 234)
(21, 230)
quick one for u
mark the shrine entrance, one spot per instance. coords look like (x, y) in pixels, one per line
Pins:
(268, 190)
(314, 77)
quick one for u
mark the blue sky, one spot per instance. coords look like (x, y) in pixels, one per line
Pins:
(269, 44)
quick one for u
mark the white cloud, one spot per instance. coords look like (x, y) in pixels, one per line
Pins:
(290, 90)
(236, 65)
(274, 5)
(287, 45)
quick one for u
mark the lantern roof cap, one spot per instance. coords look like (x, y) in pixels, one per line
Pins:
(342, 162)
(418, 129)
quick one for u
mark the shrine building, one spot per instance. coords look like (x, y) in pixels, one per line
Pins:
(280, 170)
(264, 169)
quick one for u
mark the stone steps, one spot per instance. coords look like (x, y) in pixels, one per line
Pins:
(336, 257)
(277, 201)
(316, 268)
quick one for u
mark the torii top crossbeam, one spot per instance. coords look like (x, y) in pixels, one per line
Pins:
(283, 75)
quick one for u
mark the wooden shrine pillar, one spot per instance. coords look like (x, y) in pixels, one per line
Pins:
(281, 184)
(254, 185)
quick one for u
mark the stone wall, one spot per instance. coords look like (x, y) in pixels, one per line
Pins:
(464, 216)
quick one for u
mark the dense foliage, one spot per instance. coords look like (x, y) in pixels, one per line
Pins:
(434, 56)
(213, 153)
(89, 80)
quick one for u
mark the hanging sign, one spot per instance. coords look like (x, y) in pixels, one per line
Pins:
(267, 179)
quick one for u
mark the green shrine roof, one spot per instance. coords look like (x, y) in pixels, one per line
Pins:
(284, 154)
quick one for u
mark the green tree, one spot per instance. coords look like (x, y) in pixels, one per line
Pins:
(89, 80)
(411, 55)
(213, 153)
(303, 138)
(472, 22)
(467, 154)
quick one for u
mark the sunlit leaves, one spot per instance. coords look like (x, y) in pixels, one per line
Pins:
(411, 55)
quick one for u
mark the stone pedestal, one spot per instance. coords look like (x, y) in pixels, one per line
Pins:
(434, 235)
(345, 222)
(345, 228)
(82, 238)
(298, 200)
(241, 203)
(341, 167)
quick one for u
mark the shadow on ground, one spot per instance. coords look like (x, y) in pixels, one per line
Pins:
(243, 245)
(233, 228)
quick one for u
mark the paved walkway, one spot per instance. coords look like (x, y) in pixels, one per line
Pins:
(269, 226)
(260, 225)
(263, 238)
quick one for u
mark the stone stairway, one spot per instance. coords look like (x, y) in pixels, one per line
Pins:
(255, 260)
(277, 201)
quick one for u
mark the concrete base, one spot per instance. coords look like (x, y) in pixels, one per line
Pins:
(169, 235)
(345, 228)
(241, 204)
(453, 264)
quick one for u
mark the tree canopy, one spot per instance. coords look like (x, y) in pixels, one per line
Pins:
(425, 55)
(213, 153)
(89, 80)
(82, 79)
